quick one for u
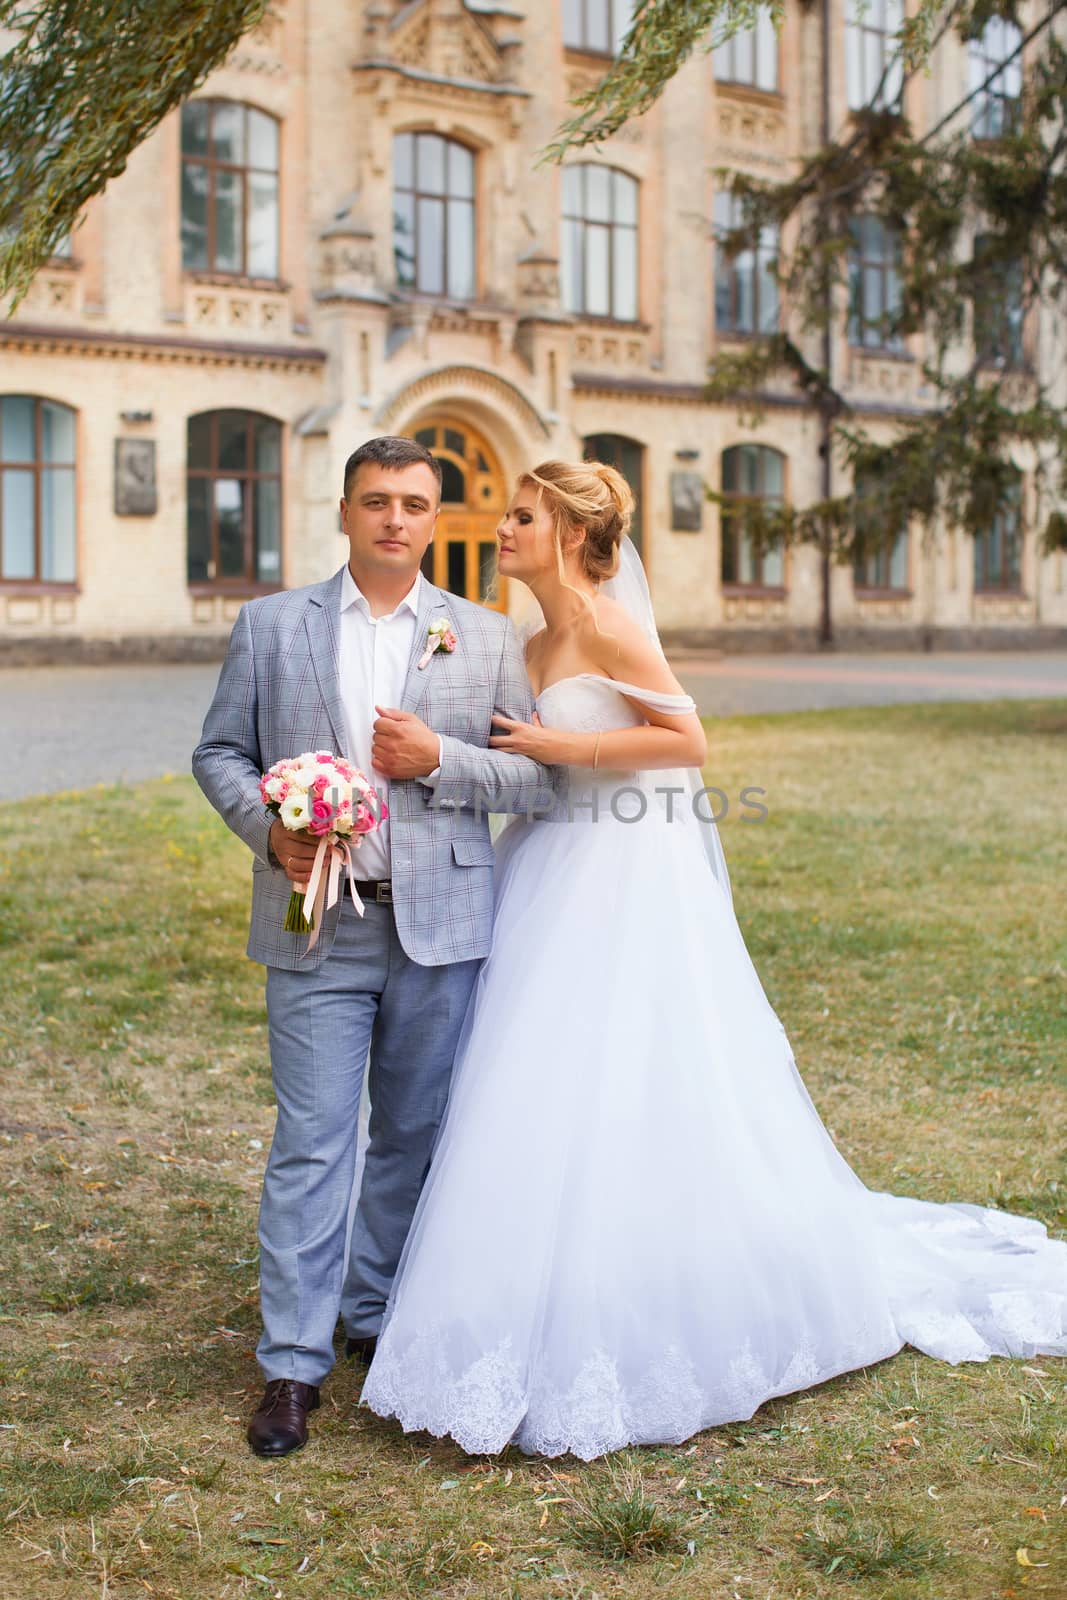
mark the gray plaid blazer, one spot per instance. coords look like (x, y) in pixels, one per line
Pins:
(278, 695)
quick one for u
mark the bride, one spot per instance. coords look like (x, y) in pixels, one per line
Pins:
(635, 1225)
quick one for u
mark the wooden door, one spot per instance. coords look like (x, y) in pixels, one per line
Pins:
(462, 557)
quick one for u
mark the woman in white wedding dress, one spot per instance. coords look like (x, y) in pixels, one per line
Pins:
(635, 1225)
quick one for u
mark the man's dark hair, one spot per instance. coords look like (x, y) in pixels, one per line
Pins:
(390, 451)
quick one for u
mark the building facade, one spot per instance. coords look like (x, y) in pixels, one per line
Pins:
(347, 231)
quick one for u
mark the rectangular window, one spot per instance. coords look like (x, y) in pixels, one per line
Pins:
(874, 285)
(998, 550)
(746, 284)
(876, 563)
(750, 56)
(996, 79)
(873, 73)
(598, 26)
(38, 542)
(753, 478)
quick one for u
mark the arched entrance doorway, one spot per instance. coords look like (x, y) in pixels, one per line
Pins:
(462, 557)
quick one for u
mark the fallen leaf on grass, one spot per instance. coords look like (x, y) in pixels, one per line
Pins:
(1022, 1556)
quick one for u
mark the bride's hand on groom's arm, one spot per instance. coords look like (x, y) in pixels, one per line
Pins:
(553, 747)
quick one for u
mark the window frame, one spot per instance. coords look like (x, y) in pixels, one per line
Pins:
(982, 61)
(447, 200)
(882, 556)
(37, 584)
(1004, 344)
(245, 171)
(724, 56)
(882, 342)
(248, 583)
(983, 583)
(614, 227)
(872, 22)
(760, 584)
(615, 10)
(727, 272)
(622, 451)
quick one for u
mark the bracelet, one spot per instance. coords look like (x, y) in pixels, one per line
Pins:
(596, 751)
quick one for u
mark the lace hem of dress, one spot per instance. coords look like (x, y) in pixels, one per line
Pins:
(489, 1405)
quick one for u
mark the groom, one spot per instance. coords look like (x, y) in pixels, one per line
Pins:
(340, 666)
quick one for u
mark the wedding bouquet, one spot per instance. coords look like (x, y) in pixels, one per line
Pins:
(327, 797)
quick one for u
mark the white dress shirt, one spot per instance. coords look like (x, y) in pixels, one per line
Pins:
(372, 667)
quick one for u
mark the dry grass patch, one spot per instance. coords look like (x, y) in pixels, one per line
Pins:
(903, 904)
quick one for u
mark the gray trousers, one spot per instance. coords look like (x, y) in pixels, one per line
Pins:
(366, 996)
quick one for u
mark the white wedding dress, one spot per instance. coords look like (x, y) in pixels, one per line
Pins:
(635, 1225)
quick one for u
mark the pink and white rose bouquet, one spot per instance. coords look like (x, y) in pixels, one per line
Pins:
(325, 796)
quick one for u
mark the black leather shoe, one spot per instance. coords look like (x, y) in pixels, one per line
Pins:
(363, 1348)
(281, 1422)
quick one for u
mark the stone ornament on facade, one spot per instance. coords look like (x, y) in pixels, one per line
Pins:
(444, 38)
(135, 478)
(687, 502)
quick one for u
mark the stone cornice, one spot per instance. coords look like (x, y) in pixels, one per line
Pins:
(696, 394)
(172, 348)
(433, 80)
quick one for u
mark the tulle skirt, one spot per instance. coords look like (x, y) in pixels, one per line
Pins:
(635, 1225)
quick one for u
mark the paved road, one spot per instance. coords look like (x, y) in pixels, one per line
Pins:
(72, 726)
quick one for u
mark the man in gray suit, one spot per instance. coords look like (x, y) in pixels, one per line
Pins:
(342, 666)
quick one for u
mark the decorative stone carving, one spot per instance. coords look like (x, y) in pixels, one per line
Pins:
(614, 348)
(1003, 608)
(883, 376)
(348, 265)
(538, 279)
(754, 608)
(443, 38)
(240, 309)
(884, 608)
(260, 50)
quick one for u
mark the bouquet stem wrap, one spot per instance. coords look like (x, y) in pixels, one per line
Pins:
(332, 856)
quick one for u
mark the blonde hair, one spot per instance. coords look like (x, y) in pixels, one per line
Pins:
(589, 496)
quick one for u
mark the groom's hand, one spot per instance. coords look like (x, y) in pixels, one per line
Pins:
(295, 852)
(403, 747)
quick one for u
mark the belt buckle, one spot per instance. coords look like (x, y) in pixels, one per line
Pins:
(383, 894)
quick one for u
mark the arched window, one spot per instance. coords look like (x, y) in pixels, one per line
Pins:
(998, 549)
(433, 215)
(995, 108)
(600, 242)
(750, 55)
(874, 284)
(746, 284)
(628, 457)
(37, 525)
(229, 189)
(872, 66)
(753, 477)
(234, 499)
(598, 26)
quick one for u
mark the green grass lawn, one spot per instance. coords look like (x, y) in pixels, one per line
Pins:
(904, 904)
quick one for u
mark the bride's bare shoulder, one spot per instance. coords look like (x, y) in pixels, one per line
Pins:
(614, 628)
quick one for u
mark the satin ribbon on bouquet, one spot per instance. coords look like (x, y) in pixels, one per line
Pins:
(324, 884)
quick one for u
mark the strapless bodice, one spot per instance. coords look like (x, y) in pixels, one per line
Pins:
(586, 703)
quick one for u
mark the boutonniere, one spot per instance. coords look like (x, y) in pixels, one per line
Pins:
(439, 636)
